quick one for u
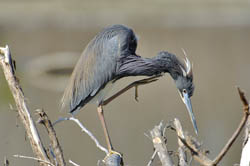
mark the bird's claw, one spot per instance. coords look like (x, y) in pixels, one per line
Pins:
(143, 82)
(136, 93)
(112, 152)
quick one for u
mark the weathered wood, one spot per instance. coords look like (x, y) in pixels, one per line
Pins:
(57, 149)
(23, 110)
(160, 145)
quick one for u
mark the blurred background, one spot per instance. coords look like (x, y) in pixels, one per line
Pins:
(46, 38)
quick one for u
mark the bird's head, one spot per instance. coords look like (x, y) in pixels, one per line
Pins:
(181, 72)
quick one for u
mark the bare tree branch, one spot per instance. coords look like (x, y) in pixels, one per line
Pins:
(6, 161)
(181, 149)
(238, 130)
(199, 156)
(23, 111)
(193, 145)
(160, 145)
(111, 159)
(57, 149)
(152, 158)
(33, 158)
(245, 159)
(84, 129)
(73, 163)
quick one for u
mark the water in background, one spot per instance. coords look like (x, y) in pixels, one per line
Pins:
(46, 39)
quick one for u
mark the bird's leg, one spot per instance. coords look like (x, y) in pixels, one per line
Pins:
(134, 84)
(106, 133)
(101, 117)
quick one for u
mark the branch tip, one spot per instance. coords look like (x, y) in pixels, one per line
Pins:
(244, 100)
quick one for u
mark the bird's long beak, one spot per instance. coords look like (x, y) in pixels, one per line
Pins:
(185, 98)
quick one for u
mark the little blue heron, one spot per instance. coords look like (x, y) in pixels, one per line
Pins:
(111, 55)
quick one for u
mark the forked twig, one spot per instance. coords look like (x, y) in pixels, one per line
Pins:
(33, 158)
(84, 129)
(57, 149)
(160, 145)
(200, 157)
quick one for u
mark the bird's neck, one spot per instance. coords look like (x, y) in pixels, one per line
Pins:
(134, 65)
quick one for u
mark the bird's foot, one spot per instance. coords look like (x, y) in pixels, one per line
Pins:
(113, 155)
(111, 152)
(143, 82)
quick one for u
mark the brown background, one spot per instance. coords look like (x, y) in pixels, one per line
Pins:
(215, 35)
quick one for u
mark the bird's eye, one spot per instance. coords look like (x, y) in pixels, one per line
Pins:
(184, 91)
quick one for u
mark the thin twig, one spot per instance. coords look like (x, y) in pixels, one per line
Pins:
(6, 161)
(197, 154)
(84, 129)
(33, 158)
(238, 130)
(73, 163)
(200, 157)
(146, 135)
(192, 145)
(57, 149)
(23, 111)
(245, 160)
(152, 158)
(111, 159)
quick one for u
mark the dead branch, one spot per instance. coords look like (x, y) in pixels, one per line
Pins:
(33, 135)
(192, 144)
(23, 110)
(84, 129)
(57, 149)
(109, 160)
(160, 145)
(152, 158)
(181, 149)
(238, 130)
(199, 156)
(73, 163)
(245, 159)
(185, 141)
(33, 158)
(6, 162)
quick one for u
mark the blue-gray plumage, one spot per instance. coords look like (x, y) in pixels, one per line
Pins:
(111, 55)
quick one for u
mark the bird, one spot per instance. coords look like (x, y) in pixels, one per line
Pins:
(110, 56)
